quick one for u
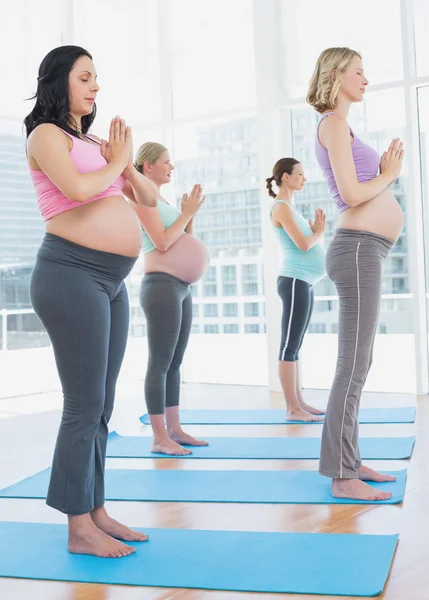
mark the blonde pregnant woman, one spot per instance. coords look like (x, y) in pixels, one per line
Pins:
(173, 260)
(370, 221)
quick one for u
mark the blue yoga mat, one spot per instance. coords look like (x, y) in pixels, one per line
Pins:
(277, 417)
(259, 487)
(213, 560)
(260, 448)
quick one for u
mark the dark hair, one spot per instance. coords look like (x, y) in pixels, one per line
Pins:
(52, 95)
(284, 165)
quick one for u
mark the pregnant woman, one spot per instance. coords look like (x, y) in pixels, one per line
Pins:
(173, 259)
(370, 221)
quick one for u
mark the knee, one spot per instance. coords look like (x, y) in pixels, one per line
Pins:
(175, 364)
(85, 411)
(289, 355)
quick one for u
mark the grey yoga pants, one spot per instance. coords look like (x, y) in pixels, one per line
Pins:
(80, 297)
(354, 262)
(167, 305)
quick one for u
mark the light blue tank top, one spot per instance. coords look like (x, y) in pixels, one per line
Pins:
(307, 266)
(169, 214)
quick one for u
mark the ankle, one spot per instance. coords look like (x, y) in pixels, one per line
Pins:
(176, 430)
(98, 511)
(80, 523)
(161, 437)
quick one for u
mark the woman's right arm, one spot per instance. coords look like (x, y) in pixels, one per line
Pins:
(151, 221)
(334, 135)
(283, 215)
(48, 146)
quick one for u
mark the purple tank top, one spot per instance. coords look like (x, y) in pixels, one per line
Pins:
(366, 159)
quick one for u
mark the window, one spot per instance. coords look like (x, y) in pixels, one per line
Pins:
(210, 310)
(317, 328)
(251, 329)
(211, 328)
(209, 290)
(251, 309)
(421, 25)
(196, 310)
(250, 289)
(230, 328)
(216, 147)
(230, 310)
(197, 55)
(340, 29)
(210, 276)
(229, 289)
(250, 272)
(229, 274)
(139, 21)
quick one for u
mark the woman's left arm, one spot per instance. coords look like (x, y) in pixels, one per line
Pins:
(138, 188)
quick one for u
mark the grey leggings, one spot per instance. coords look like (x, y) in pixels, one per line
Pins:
(167, 305)
(354, 262)
(80, 297)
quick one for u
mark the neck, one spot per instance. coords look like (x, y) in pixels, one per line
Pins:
(343, 107)
(76, 122)
(285, 194)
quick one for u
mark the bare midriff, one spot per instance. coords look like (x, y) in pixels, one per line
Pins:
(381, 215)
(108, 224)
(187, 259)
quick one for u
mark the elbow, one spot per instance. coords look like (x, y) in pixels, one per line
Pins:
(161, 246)
(78, 195)
(350, 199)
(148, 200)
(152, 201)
(304, 246)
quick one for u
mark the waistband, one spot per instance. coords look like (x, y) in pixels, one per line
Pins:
(355, 234)
(65, 252)
(154, 276)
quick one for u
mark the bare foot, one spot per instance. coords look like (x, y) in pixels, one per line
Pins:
(357, 490)
(117, 530)
(302, 415)
(170, 447)
(93, 541)
(184, 438)
(367, 474)
(311, 409)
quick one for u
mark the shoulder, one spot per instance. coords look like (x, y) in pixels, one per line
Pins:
(48, 133)
(332, 127)
(282, 208)
(283, 213)
(334, 122)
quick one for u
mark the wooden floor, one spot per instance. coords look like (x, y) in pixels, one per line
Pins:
(27, 433)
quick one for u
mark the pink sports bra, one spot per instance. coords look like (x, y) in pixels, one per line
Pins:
(88, 158)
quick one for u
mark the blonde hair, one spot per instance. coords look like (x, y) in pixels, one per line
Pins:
(150, 152)
(324, 85)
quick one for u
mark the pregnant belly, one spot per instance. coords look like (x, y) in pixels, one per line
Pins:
(108, 224)
(187, 259)
(382, 215)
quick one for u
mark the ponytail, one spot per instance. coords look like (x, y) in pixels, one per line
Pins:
(269, 181)
(284, 165)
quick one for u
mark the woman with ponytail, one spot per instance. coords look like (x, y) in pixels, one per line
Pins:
(303, 265)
